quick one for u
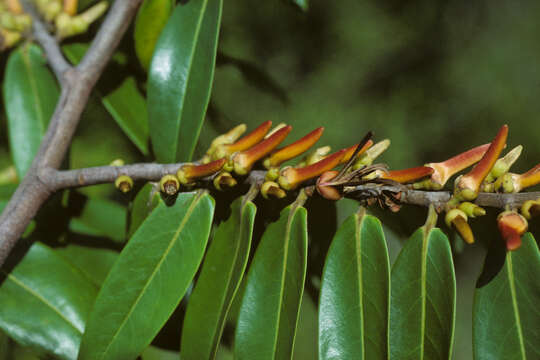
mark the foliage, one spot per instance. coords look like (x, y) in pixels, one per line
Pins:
(215, 274)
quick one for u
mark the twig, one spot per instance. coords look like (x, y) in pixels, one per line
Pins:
(439, 198)
(77, 83)
(55, 58)
(58, 180)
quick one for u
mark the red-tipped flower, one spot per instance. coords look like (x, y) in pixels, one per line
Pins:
(190, 172)
(243, 161)
(290, 177)
(296, 148)
(446, 169)
(511, 226)
(513, 183)
(243, 143)
(408, 175)
(469, 184)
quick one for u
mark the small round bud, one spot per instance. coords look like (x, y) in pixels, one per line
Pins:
(123, 183)
(271, 188)
(169, 184)
(117, 162)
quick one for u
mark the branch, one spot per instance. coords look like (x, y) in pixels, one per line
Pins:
(439, 198)
(59, 180)
(49, 44)
(77, 83)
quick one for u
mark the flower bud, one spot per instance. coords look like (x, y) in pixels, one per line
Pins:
(243, 143)
(408, 175)
(123, 183)
(472, 210)
(271, 188)
(530, 208)
(327, 191)
(371, 154)
(191, 172)
(227, 138)
(468, 186)
(511, 226)
(503, 164)
(444, 170)
(290, 177)
(169, 184)
(293, 150)
(244, 160)
(224, 178)
(457, 219)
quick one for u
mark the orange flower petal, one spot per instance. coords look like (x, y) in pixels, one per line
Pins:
(530, 178)
(408, 175)
(250, 139)
(472, 180)
(296, 148)
(290, 178)
(243, 161)
(444, 170)
(190, 172)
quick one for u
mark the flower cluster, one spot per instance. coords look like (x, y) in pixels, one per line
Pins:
(60, 14)
(232, 157)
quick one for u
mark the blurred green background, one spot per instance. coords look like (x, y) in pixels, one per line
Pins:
(436, 77)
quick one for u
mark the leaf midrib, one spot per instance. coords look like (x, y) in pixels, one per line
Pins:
(512, 284)
(219, 330)
(283, 272)
(425, 244)
(358, 247)
(190, 65)
(43, 300)
(195, 201)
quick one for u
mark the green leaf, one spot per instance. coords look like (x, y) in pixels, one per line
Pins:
(101, 217)
(218, 283)
(149, 279)
(505, 315)
(151, 18)
(94, 263)
(180, 79)
(302, 4)
(423, 298)
(354, 302)
(125, 103)
(269, 312)
(45, 301)
(30, 96)
(146, 200)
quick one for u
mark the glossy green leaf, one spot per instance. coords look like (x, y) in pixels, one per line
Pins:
(355, 290)
(45, 301)
(151, 18)
(270, 307)
(101, 217)
(149, 279)
(218, 283)
(146, 200)
(30, 96)
(423, 298)
(506, 318)
(94, 263)
(124, 102)
(180, 78)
